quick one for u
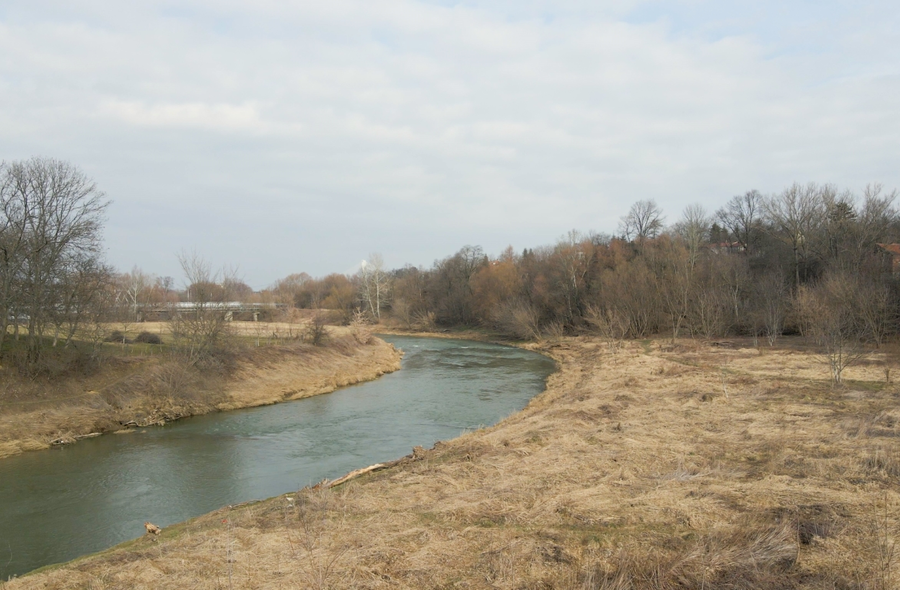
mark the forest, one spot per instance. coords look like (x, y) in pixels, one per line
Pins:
(813, 260)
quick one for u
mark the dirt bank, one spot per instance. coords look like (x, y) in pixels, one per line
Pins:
(145, 391)
(654, 466)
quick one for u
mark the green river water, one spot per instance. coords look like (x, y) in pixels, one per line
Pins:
(58, 504)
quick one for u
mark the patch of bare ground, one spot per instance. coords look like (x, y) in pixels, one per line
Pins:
(145, 390)
(658, 466)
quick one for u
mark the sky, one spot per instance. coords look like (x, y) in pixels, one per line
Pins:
(284, 136)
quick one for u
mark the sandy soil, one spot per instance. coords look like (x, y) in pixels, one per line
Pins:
(648, 466)
(145, 391)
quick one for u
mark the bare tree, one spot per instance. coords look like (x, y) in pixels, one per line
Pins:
(575, 253)
(694, 230)
(83, 298)
(201, 329)
(316, 333)
(709, 310)
(644, 221)
(517, 318)
(374, 284)
(831, 321)
(13, 225)
(671, 262)
(610, 323)
(288, 291)
(53, 214)
(795, 215)
(876, 309)
(741, 218)
(771, 303)
(876, 219)
(451, 285)
(134, 287)
(836, 241)
(631, 292)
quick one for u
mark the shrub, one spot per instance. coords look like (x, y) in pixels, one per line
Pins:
(117, 336)
(316, 333)
(55, 363)
(148, 338)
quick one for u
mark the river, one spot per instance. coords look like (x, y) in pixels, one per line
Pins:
(58, 504)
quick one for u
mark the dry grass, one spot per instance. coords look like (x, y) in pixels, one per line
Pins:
(633, 470)
(136, 389)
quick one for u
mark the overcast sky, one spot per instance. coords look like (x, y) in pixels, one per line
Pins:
(284, 136)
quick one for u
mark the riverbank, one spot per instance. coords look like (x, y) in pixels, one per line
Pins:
(138, 391)
(646, 465)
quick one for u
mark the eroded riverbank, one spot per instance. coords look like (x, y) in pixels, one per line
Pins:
(146, 392)
(87, 497)
(646, 466)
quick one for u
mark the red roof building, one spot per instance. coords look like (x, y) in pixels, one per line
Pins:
(894, 251)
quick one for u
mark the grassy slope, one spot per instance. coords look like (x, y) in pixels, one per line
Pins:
(145, 390)
(633, 470)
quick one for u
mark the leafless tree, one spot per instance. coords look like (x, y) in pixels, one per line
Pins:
(374, 285)
(693, 228)
(741, 218)
(403, 312)
(876, 218)
(675, 284)
(644, 221)
(575, 254)
(450, 286)
(631, 291)
(836, 241)
(13, 227)
(134, 286)
(201, 330)
(288, 290)
(710, 308)
(316, 332)
(831, 320)
(771, 303)
(611, 324)
(796, 214)
(518, 318)
(83, 297)
(52, 215)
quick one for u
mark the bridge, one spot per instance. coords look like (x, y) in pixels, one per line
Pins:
(233, 310)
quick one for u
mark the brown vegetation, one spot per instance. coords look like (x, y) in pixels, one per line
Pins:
(810, 260)
(143, 385)
(648, 465)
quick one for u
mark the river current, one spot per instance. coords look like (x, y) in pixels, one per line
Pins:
(58, 504)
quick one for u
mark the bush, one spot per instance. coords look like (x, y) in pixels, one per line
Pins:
(55, 363)
(148, 338)
(117, 336)
(316, 333)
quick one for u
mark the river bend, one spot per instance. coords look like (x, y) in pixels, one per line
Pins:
(56, 505)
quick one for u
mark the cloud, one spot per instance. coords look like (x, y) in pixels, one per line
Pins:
(213, 117)
(300, 136)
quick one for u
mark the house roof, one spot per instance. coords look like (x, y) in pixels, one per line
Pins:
(892, 249)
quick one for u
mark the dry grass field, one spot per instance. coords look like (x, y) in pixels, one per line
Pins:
(654, 466)
(141, 385)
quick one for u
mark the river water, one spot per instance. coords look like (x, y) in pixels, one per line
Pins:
(58, 504)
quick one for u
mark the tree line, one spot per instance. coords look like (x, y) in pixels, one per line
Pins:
(52, 274)
(811, 259)
(759, 266)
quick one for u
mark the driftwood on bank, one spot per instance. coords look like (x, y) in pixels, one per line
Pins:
(417, 455)
(356, 473)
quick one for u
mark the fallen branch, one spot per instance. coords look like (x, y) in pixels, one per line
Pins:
(356, 473)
